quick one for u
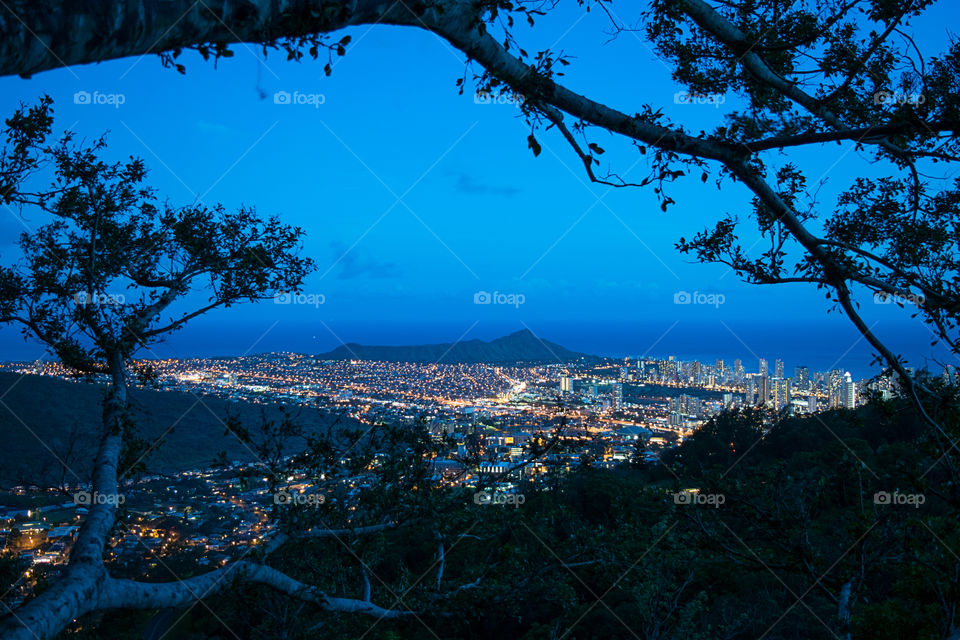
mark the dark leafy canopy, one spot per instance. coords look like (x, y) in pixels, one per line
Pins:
(26, 130)
(788, 74)
(792, 74)
(111, 272)
(811, 73)
(614, 553)
(808, 74)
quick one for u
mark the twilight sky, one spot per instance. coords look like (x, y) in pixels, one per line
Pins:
(415, 198)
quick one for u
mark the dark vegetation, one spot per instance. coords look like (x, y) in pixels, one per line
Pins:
(801, 532)
(188, 430)
(799, 547)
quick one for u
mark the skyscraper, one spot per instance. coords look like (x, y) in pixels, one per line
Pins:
(778, 368)
(763, 370)
(801, 376)
(849, 391)
(835, 388)
(781, 394)
(738, 373)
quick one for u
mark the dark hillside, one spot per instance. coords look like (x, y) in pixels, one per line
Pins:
(46, 423)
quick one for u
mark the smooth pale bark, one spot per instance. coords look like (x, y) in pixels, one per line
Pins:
(78, 591)
(86, 586)
(38, 36)
(128, 594)
(102, 513)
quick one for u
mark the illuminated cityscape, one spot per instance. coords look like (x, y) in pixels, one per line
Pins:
(611, 412)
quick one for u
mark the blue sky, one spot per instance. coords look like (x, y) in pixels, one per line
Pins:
(415, 198)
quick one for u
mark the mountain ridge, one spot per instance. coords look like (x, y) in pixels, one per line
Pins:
(519, 346)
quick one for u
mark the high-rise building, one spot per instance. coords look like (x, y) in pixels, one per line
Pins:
(780, 396)
(835, 388)
(617, 396)
(849, 391)
(778, 368)
(738, 372)
(763, 367)
(670, 370)
(566, 384)
(763, 389)
(801, 377)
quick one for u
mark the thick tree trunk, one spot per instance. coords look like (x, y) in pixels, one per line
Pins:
(38, 36)
(59, 33)
(76, 593)
(80, 588)
(86, 586)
